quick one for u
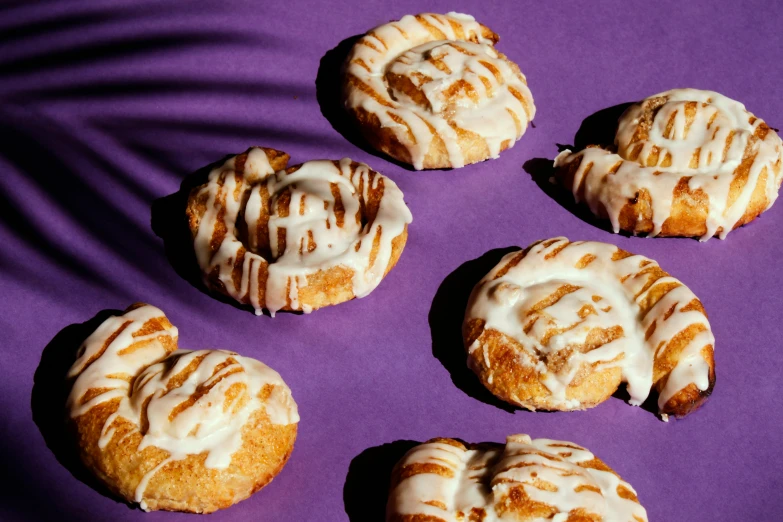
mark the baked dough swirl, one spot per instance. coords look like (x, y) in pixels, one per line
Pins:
(445, 480)
(560, 325)
(176, 429)
(687, 163)
(296, 238)
(431, 90)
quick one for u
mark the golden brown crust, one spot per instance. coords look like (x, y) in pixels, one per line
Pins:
(521, 385)
(181, 483)
(396, 113)
(386, 140)
(689, 207)
(710, 184)
(525, 480)
(514, 373)
(323, 287)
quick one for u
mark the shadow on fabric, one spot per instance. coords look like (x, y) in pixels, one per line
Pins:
(70, 167)
(597, 129)
(542, 171)
(649, 405)
(60, 52)
(328, 88)
(50, 391)
(445, 319)
(27, 146)
(366, 487)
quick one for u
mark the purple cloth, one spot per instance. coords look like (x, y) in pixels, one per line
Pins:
(105, 107)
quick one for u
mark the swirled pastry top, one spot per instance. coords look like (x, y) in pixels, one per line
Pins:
(688, 163)
(432, 91)
(444, 480)
(184, 402)
(567, 309)
(298, 238)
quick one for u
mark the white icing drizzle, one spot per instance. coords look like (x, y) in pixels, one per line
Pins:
(463, 82)
(481, 479)
(142, 372)
(315, 237)
(718, 140)
(607, 294)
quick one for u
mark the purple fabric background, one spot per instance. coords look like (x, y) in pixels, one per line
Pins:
(106, 107)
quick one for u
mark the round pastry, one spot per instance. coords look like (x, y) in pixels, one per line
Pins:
(525, 480)
(174, 429)
(430, 90)
(686, 163)
(296, 238)
(560, 325)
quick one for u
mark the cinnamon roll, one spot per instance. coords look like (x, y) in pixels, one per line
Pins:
(432, 91)
(560, 325)
(446, 480)
(685, 163)
(296, 238)
(176, 429)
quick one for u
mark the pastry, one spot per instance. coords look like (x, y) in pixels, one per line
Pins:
(560, 325)
(430, 90)
(685, 163)
(445, 480)
(175, 429)
(296, 238)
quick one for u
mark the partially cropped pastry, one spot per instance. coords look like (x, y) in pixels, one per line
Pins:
(176, 429)
(560, 325)
(431, 90)
(685, 163)
(296, 238)
(445, 480)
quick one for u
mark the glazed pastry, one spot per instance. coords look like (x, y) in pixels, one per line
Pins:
(560, 325)
(175, 429)
(445, 480)
(430, 90)
(296, 238)
(686, 163)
